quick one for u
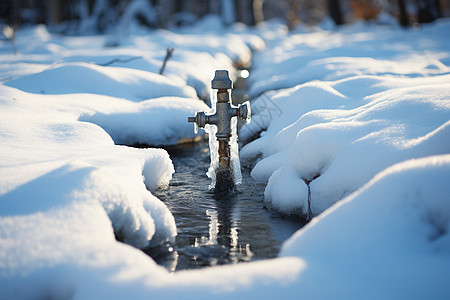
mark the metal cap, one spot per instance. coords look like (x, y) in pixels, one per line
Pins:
(221, 81)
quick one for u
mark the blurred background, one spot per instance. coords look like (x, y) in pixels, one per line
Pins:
(101, 16)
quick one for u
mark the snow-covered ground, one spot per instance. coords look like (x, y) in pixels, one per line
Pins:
(361, 114)
(356, 101)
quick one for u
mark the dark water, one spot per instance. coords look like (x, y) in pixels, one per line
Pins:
(216, 229)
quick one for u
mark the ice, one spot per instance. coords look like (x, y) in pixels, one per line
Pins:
(248, 119)
(211, 130)
(234, 152)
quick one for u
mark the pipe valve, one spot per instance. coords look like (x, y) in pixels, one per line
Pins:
(222, 119)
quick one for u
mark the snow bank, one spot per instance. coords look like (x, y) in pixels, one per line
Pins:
(193, 68)
(381, 99)
(49, 159)
(196, 62)
(110, 81)
(353, 50)
(390, 237)
(337, 136)
(58, 88)
(161, 121)
(192, 62)
(67, 191)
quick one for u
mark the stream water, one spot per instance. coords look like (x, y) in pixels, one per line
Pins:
(215, 229)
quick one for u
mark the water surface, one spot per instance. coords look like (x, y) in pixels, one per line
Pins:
(216, 229)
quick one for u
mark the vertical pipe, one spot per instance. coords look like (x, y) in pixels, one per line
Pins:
(223, 127)
(224, 176)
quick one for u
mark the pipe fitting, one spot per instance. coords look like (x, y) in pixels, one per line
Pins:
(242, 112)
(221, 81)
(222, 119)
(201, 119)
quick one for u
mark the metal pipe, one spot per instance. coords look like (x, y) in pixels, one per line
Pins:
(222, 119)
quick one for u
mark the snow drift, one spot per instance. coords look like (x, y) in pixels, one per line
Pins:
(381, 99)
(110, 81)
(67, 192)
(394, 231)
(51, 159)
(350, 139)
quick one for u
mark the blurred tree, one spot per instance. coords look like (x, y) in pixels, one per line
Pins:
(335, 11)
(365, 9)
(428, 10)
(228, 11)
(292, 15)
(403, 15)
(9, 12)
(101, 16)
(54, 12)
(258, 13)
(244, 11)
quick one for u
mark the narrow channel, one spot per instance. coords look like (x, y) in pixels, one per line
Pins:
(216, 229)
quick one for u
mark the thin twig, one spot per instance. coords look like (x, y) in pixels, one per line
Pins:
(120, 60)
(168, 56)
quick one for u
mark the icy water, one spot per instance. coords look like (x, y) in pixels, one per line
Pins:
(216, 229)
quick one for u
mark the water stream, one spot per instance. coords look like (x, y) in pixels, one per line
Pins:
(215, 229)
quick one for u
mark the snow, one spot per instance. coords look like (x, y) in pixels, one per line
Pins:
(44, 145)
(70, 78)
(354, 50)
(365, 113)
(394, 241)
(159, 121)
(344, 140)
(192, 62)
(360, 113)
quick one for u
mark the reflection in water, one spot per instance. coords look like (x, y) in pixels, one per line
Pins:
(223, 239)
(216, 229)
(228, 216)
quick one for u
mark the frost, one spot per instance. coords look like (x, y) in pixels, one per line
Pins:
(234, 152)
(213, 152)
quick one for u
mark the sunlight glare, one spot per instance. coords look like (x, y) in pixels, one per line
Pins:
(244, 73)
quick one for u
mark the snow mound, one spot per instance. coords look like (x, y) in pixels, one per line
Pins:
(334, 68)
(161, 121)
(193, 68)
(275, 111)
(50, 160)
(118, 82)
(338, 148)
(394, 230)
(350, 51)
